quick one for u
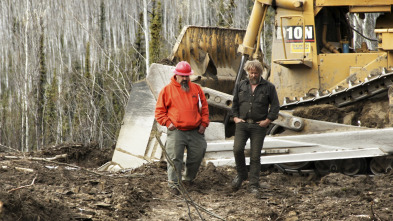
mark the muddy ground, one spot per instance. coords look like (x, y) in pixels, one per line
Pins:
(63, 183)
(38, 187)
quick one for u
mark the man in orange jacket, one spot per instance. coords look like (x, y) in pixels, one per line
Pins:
(183, 109)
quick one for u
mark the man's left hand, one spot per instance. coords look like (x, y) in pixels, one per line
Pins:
(264, 123)
(201, 129)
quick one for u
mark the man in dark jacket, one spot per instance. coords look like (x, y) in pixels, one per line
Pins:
(255, 106)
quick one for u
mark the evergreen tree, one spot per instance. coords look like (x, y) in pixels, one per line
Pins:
(226, 13)
(230, 12)
(102, 22)
(50, 117)
(75, 96)
(139, 36)
(138, 53)
(4, 112)
(221, 13)
(155, 32)
(41, 90)
(180, 25)
(87, 62)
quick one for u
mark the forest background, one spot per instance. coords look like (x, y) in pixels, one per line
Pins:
(67, 67)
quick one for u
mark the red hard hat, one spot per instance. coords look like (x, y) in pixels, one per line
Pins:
(183, 68)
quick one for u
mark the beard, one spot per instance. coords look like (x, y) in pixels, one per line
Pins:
(254, 81)
(184, 86)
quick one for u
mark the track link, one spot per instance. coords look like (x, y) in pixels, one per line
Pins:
(355, 92)
(339, 97)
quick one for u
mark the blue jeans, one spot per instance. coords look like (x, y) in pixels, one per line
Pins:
(176, 142)
(256, 134)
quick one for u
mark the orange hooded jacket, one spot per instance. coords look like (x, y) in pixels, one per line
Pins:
(181, 108)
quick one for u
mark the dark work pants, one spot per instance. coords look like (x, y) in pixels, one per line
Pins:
(256, 134)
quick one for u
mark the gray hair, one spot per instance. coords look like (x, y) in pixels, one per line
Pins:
(254, 64)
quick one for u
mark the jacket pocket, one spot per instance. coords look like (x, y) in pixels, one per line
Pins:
(262, 99)
(243, 96)
(188, 118)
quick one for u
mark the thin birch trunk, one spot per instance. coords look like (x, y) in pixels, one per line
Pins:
(145, 21)
(26, 103)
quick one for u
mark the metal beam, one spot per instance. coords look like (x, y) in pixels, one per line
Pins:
(352, 2)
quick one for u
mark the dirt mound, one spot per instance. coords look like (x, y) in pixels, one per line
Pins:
(39, 187)
(324, 112)
(28, 206)
(35, 187)
(375, 114)
(370, 113)
(89, 156)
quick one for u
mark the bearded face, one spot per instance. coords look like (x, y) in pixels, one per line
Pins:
(184, 85)
(183, 81)
(254, 76)
(254, 80)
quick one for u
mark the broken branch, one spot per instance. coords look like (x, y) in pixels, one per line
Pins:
(21, 187)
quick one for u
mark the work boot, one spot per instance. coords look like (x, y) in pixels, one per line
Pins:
(254, 189)
(174, 190)
(237, 182)
(187, 183)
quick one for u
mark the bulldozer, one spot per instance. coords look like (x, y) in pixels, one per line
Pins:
(314, 63)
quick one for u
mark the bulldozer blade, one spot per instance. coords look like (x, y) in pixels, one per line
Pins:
(159, 76)
(135, 131)
(136, 144)
(209, 50)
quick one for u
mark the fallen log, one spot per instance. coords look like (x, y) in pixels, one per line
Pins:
(60, 156)
(24, 169)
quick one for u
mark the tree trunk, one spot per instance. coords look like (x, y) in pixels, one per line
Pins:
(145, 21)
(26, 103)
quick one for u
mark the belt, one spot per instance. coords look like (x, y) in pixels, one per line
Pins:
(251, 121)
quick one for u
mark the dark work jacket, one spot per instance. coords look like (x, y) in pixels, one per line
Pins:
(247, 105)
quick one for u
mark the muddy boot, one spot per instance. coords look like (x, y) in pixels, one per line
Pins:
(254, 189)
(187, 183)
(174, 190)
(237, 182)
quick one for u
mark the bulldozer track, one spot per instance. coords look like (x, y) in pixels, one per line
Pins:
(339, 97)
(371, 86)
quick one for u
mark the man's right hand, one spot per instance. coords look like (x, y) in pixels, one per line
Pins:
(171, 127)
(238, 120)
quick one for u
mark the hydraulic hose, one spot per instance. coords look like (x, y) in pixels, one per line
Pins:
(238, 78)
(240, 71)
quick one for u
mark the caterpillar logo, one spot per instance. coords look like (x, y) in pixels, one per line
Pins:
(295, 33)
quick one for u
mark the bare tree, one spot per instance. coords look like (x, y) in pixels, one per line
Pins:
(25, 116)
(146, 28)
(83, 108)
